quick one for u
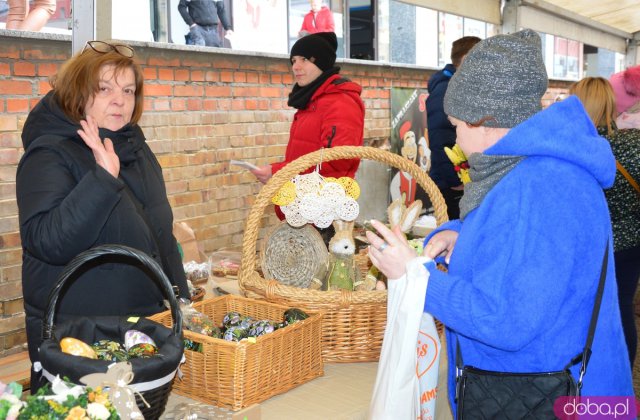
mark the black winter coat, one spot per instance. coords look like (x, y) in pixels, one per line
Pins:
(441, 133)
(68, 204)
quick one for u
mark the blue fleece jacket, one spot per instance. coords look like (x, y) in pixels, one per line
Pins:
(522, 278)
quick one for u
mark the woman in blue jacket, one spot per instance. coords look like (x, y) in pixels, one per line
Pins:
(525, 258)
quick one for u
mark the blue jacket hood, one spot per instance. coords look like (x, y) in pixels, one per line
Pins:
(563, 131)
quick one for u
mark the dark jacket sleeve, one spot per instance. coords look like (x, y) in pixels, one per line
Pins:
(60, 216)
(222, 15)
(184, 12)
(441, 134)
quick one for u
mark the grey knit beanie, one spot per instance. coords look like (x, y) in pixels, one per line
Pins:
(503, 77)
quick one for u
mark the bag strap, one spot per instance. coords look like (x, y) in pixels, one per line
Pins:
(627, 175)
(586, 353)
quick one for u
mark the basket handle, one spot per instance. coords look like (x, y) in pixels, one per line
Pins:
(293, 168)
(96, 252)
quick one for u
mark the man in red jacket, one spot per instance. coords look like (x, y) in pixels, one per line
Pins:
(319, 19)
(330, 111)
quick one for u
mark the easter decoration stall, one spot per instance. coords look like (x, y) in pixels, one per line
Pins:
(299, 270)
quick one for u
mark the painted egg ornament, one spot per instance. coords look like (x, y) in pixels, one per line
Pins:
(142, 350)
(111, 351)
(76, 347)
(262, 327)
(294, 315)
(235, 333)
(133, 337)
(235, 319)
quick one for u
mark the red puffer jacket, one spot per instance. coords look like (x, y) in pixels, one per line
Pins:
(333, 117)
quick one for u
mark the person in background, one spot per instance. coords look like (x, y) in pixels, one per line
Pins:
(319, 19)
(330, 110)
(88, 178)
(525, 257)
(203, 17)
(626, 86)
(598, 98)
(441, 133)
(22, 18)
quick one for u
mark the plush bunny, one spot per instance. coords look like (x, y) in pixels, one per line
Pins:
(343, 272)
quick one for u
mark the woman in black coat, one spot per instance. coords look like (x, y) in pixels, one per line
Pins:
(88, 178)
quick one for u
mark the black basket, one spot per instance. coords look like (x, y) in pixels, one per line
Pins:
(153, 377)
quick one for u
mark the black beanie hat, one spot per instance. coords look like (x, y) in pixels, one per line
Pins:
(319, 48)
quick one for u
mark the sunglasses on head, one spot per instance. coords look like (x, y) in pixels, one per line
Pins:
(104, 47)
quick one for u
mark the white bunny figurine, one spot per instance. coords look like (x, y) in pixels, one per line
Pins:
(343, 272)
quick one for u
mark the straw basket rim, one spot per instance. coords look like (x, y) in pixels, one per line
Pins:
(250, 280)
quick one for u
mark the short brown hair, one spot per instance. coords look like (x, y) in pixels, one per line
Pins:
(598, 99)
(77, 81)
(461, 47)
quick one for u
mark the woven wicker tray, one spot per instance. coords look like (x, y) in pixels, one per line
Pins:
(354, 322)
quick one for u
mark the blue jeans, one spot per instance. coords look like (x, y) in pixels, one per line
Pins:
(205, 36)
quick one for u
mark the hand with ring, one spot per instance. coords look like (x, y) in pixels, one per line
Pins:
(390, 251)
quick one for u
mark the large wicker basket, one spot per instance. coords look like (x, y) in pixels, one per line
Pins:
(354, 322)
(238, 374)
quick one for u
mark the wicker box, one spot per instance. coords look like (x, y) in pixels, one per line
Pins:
(236, 375)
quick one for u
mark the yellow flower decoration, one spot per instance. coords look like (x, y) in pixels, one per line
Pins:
(77, 413)
(350, 186)
(330, 179)
(286, 195)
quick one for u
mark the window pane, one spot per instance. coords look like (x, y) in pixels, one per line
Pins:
(426, 37)
(474, 27)
(260, 26)
(450, 28)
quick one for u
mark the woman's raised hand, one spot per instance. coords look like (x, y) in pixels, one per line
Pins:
(104, 153)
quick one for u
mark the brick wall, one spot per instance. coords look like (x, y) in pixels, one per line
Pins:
(202, 108)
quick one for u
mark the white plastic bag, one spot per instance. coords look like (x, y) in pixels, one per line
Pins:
(428, 353)
(397, 391)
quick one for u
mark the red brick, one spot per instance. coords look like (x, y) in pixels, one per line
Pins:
(217, 91)
(16, 87)
(226, 76)
(165, 74)
(160, 61)
(188, 90)
(47, 69)
(24, 68)
(4, 69)
(17, 105)
(182, 74)
(152, 89)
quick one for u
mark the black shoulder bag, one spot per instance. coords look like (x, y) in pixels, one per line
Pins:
(483, 394)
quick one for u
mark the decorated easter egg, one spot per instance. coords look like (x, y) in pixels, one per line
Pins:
(133, 337)
(77, 347)
(142, 350)
(262, 327)
(235, 319)
(235, 333)
(294, 315)
(110, 350)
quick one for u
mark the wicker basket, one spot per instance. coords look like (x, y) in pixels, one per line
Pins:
(153, 377)
(354, 322)
(236, 375)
